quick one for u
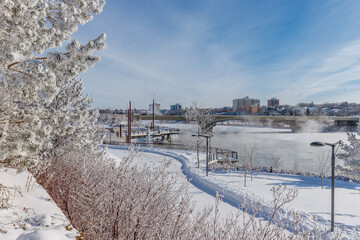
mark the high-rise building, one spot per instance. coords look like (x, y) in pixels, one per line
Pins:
(246, 104)
(175, 107)
(273, 102)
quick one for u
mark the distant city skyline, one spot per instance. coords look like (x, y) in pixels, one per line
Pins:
(213, 52)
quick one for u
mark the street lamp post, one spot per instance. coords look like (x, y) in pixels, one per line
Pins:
(332, 145)
(110, 136)
(207, 136)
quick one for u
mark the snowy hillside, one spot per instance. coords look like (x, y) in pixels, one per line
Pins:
(312, 201)
(32, 215)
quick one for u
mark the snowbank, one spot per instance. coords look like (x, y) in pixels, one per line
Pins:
(32, 215)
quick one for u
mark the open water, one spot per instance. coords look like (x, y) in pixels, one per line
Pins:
(292, 148)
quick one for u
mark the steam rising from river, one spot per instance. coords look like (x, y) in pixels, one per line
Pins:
(289, 146)
(312, 126)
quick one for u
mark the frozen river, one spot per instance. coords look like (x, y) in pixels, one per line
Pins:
(291, 147)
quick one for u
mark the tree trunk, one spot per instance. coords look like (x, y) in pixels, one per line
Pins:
(197, 153)
(197, 148)
(251, 173)
(245, 179)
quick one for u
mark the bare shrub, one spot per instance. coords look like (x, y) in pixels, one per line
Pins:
(8, 194)
(295, 168)
(275, 162)
(6, 197)
(247, 156)
(105, 201)
(248, 226)
(324, 163)
(225, 166)
(274, 227)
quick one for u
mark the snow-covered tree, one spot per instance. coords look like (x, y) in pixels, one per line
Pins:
(28, 89)
(203, 124)
(247, 156)
(324, 163)
(350, 157)
(33, 26)
(33, 85)
(73, 123)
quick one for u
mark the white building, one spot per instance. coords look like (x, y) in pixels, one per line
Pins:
(156, 108)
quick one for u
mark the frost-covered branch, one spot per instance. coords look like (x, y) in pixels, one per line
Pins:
(351, 157)
(45, 94)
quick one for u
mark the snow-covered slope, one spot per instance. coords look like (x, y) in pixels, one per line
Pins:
(313, 201)
(33, 215)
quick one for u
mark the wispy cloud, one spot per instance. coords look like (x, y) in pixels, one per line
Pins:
(327, 80)
(213, 51)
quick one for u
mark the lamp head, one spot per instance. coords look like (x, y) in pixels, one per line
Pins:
(317, 144)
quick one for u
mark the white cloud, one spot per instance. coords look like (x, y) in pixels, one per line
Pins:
(329, 75)
(181, 55)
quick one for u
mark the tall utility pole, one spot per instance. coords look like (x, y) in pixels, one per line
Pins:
(129, 123)
(153, 115)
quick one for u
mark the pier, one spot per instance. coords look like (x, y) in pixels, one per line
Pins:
(120, 133)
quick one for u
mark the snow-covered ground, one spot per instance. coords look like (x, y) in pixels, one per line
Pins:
(202, 198)
(33, 215)
(313, 201)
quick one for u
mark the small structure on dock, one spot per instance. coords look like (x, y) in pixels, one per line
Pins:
(147, 134)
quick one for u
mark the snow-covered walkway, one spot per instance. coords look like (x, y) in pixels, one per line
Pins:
(201, 196)
(312, 200)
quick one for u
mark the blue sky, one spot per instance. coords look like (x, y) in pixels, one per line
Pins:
(214, 51)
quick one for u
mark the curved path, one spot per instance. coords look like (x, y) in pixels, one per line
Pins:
(232, 199)
(201, 196)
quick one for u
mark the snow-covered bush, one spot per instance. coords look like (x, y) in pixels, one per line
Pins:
(103, 201)
(225, 166)
(106, 201)
(237, 166)
(351, 157)
(41, 96)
